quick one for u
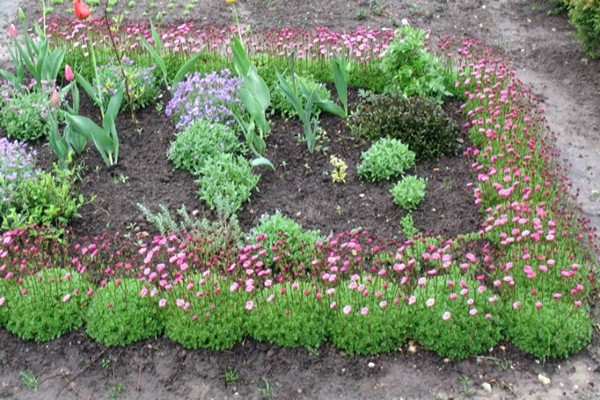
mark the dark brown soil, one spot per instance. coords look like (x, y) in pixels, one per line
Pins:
(542, 46)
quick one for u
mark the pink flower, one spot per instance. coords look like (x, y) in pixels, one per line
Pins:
(446, 316)
(473, 311)
(538, 304)
(295, 285)
(270, 298)
(333, 305)
(55, 99)
(153, 292)
(330, 292)
(12, 31)
(412, 300)
(144, 292)
(577, 303)
(234, 286)
(430, 303)
(517, 305)
(268, 283)
(364, 310)
(346, 310)
(69, 75)
(66, 298)
(383, 304)
(162, 303)
(421, 282)
(179, 303)
(249, 305)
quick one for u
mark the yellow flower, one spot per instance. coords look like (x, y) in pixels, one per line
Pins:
(230, 1)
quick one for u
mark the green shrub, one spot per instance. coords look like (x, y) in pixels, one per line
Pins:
(119, 315)
(200, 141)
(368, 324)
(285, 239)
(412, 70)
(51, 303)
(419, 123)
(23, 113)
(289, 315)
(205, 314)
(45, 199)
(17, 163)
(409, 192)
(464, 319)
(226, 182)
(555, 329)
(8, 293)
(140, 81)
(280, 103)
(385, 159)
(584, 15)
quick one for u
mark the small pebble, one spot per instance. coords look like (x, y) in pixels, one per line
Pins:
(544, 379)
(487, 387)
(371, 365)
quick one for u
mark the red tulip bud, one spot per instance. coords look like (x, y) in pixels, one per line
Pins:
(69, 76)
(54, 99)
(12, 31)
(82, 10)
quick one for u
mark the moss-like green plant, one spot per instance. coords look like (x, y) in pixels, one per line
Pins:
(197, 143)
(368, 316)
(120, 313)
(50, 303)
(548, 327)
(455, 316)
(386, 159)
(23, 115)
(204, 313)
(288, 314)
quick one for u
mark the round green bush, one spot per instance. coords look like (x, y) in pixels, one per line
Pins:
(454, 328)
(409, 192)
(289, 315)
(553, 329)
(51, 303)
(203, 313)
(385, 159)
(418, 122)
(197, 143)
(119, 315)
(368, 324)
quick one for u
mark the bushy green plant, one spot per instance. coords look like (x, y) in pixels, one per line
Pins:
(548, 327)
(385, 159)
(24, 114)
(140, 82)
(284, 238)
(455, 316)
(584, 15)
(200, 141)
(205, 314)
(412, 70)
(280, 103)
(226, 182)
(288, 314)
(8, 292)
(51, 303)
(368, 317)
(46, 199)
(419, 123)
(119, 315)
(17, 164)
(409, 192)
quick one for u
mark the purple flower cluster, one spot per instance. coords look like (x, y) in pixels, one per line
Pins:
(211, 97)
(17, 163)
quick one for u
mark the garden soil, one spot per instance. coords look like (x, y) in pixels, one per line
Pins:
(543, 50)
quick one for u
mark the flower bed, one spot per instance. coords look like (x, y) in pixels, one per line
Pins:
(205, 288)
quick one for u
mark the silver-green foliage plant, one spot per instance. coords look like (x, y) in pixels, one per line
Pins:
(456, 316)
(226, 182)
(24, 113)
(385, 159)
(17, 163)
(369, 316)
(289, 315)
(50, 303)
(409, 192)
(123, 312)
(547, 327)
(199, 142)
(214, 320)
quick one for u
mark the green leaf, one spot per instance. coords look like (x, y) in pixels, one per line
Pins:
(262, 162)
(87, 87)
(240, 58)
(114, 105)
(185, 68)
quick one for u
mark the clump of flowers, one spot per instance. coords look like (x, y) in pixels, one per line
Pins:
(140, 80)
(16, 164)
(338, 175)
(212, 97)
